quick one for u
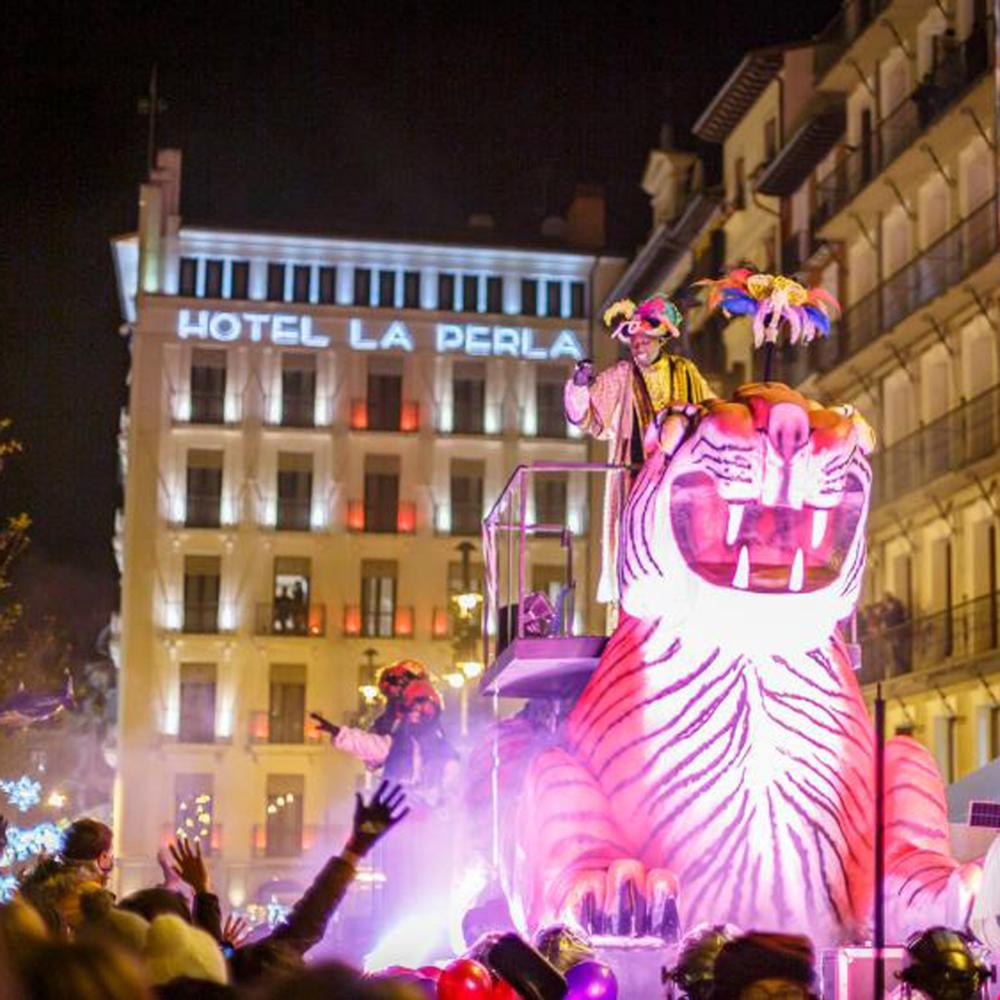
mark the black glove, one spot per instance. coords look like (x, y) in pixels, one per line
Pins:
(325, 725)
(584, 374)
(374, 819)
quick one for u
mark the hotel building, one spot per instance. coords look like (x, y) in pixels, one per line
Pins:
(314, 425)
(866, 162)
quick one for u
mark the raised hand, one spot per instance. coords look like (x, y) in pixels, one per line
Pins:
(189, 865)
(234, 930)
(324, 724)
(374, 819)
(584, 374)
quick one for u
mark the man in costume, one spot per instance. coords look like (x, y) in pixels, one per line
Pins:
(392, 682)
(619, 404)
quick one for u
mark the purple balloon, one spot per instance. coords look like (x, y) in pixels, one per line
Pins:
(591, 981)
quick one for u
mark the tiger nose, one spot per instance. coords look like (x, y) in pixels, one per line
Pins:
(787, 429)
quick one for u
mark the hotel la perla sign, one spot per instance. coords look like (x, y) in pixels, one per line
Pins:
(293, 330)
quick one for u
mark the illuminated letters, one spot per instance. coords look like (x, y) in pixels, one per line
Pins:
(396, 336)
(450, 337)
(478, 342)
(285, 330)
(566, 345)
(506, 341)
(255, 321)
(185, 328)
(528, 349)
(356, 336)
(310, 339)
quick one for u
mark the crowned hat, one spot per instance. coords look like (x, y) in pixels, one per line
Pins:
(656, 316)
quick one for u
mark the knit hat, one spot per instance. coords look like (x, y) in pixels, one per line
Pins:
(175, 948)
(104, 922)
(757, 956)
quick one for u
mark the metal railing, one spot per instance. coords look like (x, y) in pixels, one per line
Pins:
(958, 438)
(298, 410)
(293, 514)
(963, 631)
(957, 72)
(200, 618)
(202, 510)
(288, 618)
(208, 408)
(843, 30)
(260, 730)
(466, 518)
(946, 262)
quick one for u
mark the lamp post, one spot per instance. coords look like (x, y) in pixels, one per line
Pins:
(467, 665)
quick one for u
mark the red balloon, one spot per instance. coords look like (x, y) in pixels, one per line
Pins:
(502, 990)
(429, 972)
(465, 979)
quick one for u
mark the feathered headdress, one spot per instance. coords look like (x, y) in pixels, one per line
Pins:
(773, 300)
(656, 316)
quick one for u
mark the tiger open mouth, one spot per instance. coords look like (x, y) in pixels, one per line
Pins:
(764, 549)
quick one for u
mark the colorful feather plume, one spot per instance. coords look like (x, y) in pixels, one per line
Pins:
(773, 301)
(656, 316)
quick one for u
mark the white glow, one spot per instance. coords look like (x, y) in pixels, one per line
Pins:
(181, 406)
(317, 515)
(171, 712)
(232, 408)
(819, 520)
(491, 419)
(455, 680)
(281, 329)
(267, 511)
(467, 603)
(446, 416)
(410, 943)
(171, 615)
(227, 510)
(225, 712)
(227, 616)
(574, 518)
(178, 507)
(323, 410)
(471, 668)
(529, 419)
(797, 575)
(741, 578)
(237, 893)
(442, 518)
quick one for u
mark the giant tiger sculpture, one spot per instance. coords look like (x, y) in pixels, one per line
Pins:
(720, 762)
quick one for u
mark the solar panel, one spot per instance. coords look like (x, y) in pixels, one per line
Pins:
(983, 813)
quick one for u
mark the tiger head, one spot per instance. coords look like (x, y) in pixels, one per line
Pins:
(754, 506)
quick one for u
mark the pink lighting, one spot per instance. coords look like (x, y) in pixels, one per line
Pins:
(409, 417)
(406, 518)
(359, 414)
(355, 515)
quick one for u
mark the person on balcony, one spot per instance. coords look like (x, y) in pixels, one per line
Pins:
(620, 403)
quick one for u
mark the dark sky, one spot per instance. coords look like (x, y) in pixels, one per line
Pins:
(400, 117)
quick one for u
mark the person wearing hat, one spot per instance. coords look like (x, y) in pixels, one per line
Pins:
(759, 966)
(620, 403)
(392, 682)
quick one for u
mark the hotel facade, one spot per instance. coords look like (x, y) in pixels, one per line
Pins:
(314, 426)
(866, 162)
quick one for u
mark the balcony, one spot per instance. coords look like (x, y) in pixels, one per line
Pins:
(931, 273)
(952, 78)
(957, 439)
(200, 618)
(295, 842)
(286, 618)
(260, 730)
(404, 417)
(293, 515)
(202, 510)
(466, 518)
(933, 644)
(372, 519)
(838, 36)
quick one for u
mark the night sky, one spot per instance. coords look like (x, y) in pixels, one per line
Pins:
(337, 117)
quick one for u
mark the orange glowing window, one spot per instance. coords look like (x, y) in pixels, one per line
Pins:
(317, 619)
(359, 414)
(439, 623)
(356, 515)
(409, 417)
(406, 518)
(259, 839)
(259, 730)
(352, 619)
(404, 622)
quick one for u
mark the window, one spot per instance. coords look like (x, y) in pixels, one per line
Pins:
(466, 497)
(239, 280)
(194, 808)
(301, 280)
(468, 397)
(381, 492)
(551, 420)
(494, 294)
(208, 386)
(550, 499)
(770, 139)
(362, 286)
(387, 288)
(470, 293)
(204, 488)
(275, 282)
(284, 815)
(298, 390)
(294, 490)
(529, 297)
(187, 282)
(290, 614)
(446, 292)
(197, 712)
(213, 279)
(286, 712)
(378, 597)
(739, 183)
(577, 299)
(201, 593)
(385, 394)
(553, 298)
(945, 727)
(411, 290)
(327, 285)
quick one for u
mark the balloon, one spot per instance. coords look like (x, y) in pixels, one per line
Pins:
(591, 981)
(502, 990)
(429, 972)
(465, 979)
(423, 985)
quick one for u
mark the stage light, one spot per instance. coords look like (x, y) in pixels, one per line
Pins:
(455, 680)
(471, 668)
